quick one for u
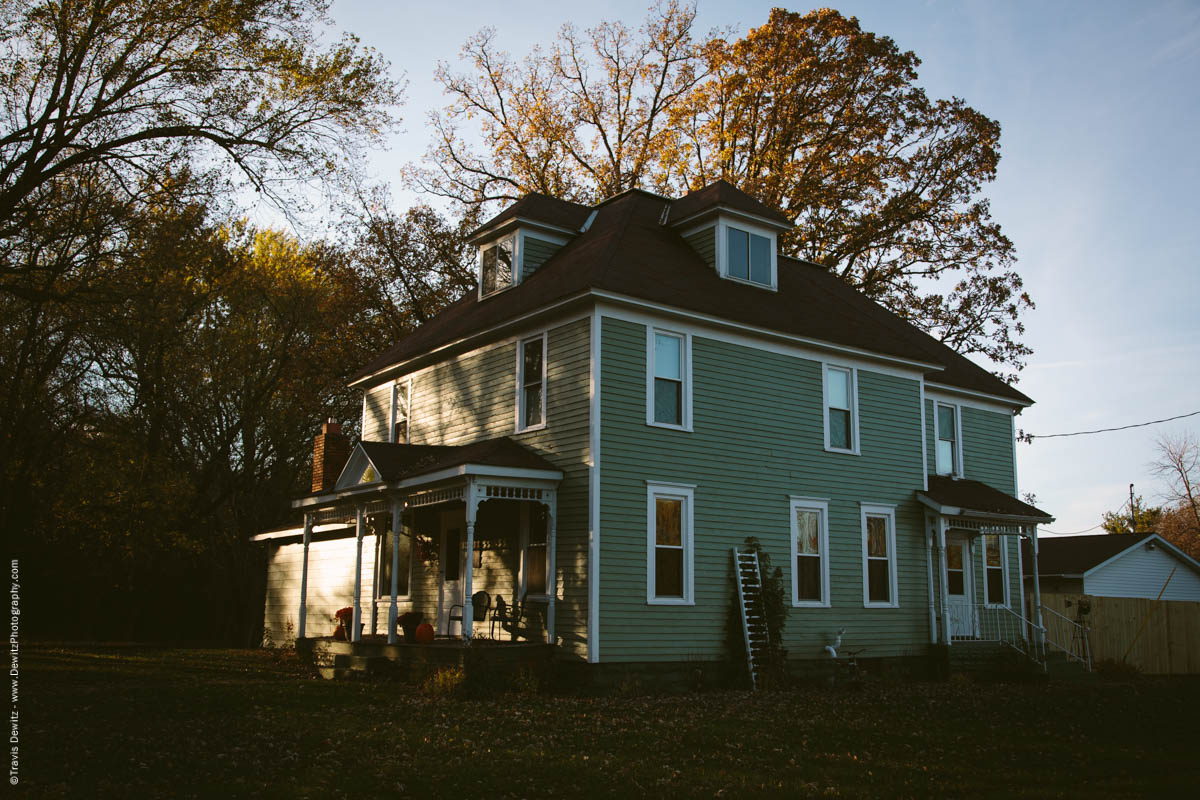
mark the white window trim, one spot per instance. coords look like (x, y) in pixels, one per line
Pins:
(401, 396)
(957, 468)
(722, 239)
(889, 512)
(513, 278)
(686, 355)
(822, 506)
(522, 582)
(1003, 571)
(855, 439)
(520, 391)
(672, 491)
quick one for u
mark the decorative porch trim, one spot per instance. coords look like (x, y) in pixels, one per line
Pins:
(432, 497)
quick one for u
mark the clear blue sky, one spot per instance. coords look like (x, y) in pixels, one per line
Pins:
(1100, 108)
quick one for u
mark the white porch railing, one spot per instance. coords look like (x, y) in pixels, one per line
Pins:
(998, 624)
(1067, 635)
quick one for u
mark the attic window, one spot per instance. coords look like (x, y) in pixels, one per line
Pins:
(746, 253)
(496, 266)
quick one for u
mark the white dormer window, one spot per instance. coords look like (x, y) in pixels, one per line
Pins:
(747, 253)
(496, 266)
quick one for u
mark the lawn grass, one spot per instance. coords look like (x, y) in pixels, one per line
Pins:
(141, 722)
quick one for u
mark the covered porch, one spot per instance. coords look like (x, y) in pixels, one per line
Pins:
(461, 536)
(976, 587)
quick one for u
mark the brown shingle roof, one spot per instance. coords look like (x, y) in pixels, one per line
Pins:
(398, 461)
(1075, 555)
(976, 496)
(721, 193)
(542, 208)
(627, 251)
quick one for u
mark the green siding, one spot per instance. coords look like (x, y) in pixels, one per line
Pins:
(705, 243)
(758, 438)
(535, 253)
(988, 448)
(472, 397)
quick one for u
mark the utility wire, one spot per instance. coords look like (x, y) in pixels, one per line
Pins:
(1029, 437)
(1071, 533)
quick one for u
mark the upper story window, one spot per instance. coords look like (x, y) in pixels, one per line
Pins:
(401, 407)
(810, 552)
(669, 544)
(496, 266)
(841, 409)
(747, 254)
(531, 383)
(668, 385)
(948, 455)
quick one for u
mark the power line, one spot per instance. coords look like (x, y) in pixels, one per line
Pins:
(1029, 437)
(1071, 533)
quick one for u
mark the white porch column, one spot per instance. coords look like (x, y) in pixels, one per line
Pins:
(308, 526)
(359, 524)
(943, 588)
(552, 577)
(468, 619)
(397, 506)
(1037, 589)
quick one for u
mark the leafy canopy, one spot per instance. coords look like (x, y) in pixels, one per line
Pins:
(809, 113)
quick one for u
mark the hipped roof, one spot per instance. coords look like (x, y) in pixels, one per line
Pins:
(628, 251)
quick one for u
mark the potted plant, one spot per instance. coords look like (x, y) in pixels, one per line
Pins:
(344, 617)
(408, 622)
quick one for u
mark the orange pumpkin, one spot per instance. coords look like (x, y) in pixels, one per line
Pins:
(424, 633)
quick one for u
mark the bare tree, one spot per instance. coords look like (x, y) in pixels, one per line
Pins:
(1178, 464)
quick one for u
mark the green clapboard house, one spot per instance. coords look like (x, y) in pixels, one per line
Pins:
(633, 390)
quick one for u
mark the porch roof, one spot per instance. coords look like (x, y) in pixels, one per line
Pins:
(376, 466)
(966, 498)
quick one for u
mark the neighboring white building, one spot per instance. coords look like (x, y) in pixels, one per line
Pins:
(1115, 565)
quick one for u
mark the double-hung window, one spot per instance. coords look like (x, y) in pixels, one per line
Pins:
(536, 555)
(948, 454)
(669, 544)
(401, 405)
(993, 557)
(841, 409)
(879, 556)
(810, 552)
(668, 385)
(496, 266)
(531, 383)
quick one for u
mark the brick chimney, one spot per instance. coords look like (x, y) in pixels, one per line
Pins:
(331, 451)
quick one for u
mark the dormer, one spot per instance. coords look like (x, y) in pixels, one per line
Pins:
(514, 243)
(735, 234)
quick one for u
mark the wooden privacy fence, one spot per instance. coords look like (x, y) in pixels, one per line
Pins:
(1170, 630)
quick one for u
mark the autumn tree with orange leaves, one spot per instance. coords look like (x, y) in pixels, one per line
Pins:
(807, 112)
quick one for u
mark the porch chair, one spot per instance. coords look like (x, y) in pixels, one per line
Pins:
(508, 617)
(481, 603)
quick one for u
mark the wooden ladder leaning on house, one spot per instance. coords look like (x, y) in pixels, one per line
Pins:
(754, 623)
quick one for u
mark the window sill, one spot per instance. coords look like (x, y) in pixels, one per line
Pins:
(664, 601)
(881, 605)
(843, 451)
(496, 292)
(539, 427)
(811, 604)
(386, 600)
(670, 427)
(770, 287)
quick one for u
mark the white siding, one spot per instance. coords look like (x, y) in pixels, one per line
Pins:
(1141, 572)
(330, 586)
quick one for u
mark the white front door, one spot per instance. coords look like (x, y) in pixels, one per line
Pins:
(450, 570)
(959, 590)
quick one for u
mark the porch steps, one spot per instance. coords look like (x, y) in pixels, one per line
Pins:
(968, 656)
(754, 623)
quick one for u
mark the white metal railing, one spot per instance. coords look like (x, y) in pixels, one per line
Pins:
(1068, 636)
(988, 623)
